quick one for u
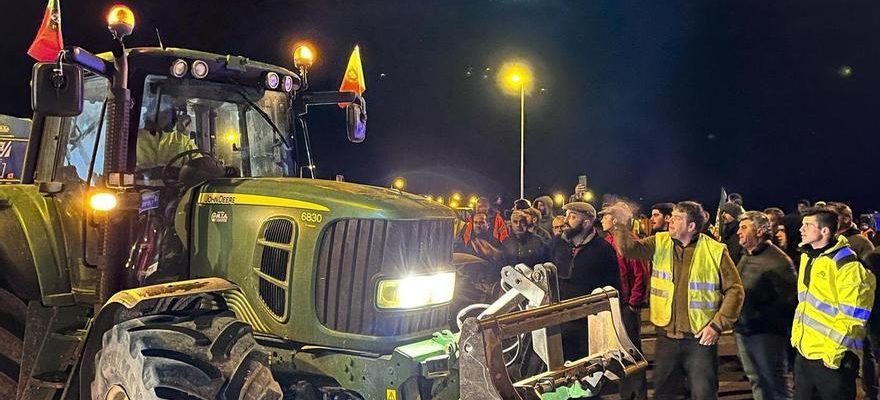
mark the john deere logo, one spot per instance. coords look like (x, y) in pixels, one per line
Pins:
(209, 198)
(4, 128)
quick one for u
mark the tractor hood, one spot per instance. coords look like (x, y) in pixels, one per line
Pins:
(339, 199)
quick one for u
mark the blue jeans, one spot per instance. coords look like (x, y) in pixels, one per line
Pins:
(764, 358)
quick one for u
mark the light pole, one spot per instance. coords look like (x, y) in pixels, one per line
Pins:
(514, 77)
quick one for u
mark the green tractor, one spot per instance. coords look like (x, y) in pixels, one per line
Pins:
(159, 247)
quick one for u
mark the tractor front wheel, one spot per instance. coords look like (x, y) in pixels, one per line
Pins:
(206, 355)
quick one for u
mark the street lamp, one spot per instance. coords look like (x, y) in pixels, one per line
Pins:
(515, 77)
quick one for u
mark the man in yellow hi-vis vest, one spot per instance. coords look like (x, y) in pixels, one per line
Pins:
(695, 294)
(835, 295)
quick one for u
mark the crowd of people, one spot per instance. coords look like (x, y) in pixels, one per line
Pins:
(796, 289)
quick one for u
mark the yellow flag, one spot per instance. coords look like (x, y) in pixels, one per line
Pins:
(353, 81)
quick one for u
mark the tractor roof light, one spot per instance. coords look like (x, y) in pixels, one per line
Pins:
(120, 21)
(102, 201)
(303, 56)
(179, 68)
(288, 84)
(199, 69)
(272, 80)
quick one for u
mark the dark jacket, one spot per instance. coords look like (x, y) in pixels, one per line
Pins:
(860, 244)
(730, 238)
(528, 250)
(583, 268)
(770, 282)
(472, 249)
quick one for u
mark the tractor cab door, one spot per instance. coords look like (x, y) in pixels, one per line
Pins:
(72, 154)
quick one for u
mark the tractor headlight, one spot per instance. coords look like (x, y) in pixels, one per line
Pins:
(416, 291)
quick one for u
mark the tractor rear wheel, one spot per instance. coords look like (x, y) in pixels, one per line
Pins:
(206, 355)
(13, 315)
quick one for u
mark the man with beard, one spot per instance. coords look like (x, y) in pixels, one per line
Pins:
(496, 223)
(482, 244)
(522, 246)
(695, 294)
(584, 262)
(544, 204)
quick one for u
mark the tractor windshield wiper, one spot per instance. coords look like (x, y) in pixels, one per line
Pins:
(266, 118)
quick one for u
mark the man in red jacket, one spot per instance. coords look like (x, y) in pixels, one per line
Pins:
(633, 283)
(495, 220)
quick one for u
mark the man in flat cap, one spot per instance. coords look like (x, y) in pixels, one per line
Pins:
(584, 262)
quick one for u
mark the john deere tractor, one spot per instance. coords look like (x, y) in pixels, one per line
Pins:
(158, 247)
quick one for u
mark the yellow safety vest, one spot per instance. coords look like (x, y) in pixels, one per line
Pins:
(833, 310)
(704, 283)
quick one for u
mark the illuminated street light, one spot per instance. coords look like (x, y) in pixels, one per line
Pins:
(588, 196)
(456, 196)
(516, 77)
(399, 183)
(559, 199)
(440, 199)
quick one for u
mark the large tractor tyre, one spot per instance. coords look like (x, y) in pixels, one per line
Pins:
(207, 355)
(13, 314)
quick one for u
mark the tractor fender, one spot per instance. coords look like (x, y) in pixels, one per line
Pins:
(27, 248)
(138, 302)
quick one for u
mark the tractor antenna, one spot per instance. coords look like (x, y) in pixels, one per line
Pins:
(159, 37)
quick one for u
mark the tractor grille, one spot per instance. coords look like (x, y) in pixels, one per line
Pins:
(354, 253)
(275, 249)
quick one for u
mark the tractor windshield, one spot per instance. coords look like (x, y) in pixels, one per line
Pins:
(182, 115)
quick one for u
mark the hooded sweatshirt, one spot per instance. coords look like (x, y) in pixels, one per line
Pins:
(546, 221)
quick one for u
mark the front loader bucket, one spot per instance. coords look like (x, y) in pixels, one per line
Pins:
(612, 355)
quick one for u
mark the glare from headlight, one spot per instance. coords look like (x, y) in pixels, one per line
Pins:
(416, 291)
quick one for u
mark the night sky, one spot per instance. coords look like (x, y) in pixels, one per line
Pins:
(652, 100)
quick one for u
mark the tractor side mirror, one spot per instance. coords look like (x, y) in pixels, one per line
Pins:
(356, 120)
(57, 89)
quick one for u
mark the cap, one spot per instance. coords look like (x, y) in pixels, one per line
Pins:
(732, 208)
(582, 207)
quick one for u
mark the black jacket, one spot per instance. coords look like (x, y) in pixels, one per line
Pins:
(589, 266)
(529, 250)
(769, 278)
(730, 238)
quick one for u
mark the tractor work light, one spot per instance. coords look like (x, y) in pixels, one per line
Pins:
(303, 56)
(288, 84)
(179, 68)
(199, 69)
(120, 21)
(102, 201)
(415, 291)
(272, 80)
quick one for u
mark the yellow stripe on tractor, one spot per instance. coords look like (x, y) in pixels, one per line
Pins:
(257, 200)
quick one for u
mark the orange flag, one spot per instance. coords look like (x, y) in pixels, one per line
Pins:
(48, 42)
(353, 81)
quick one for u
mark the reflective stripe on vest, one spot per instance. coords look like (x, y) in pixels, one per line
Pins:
(704, 286)
(831, 310)
(825, 330)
